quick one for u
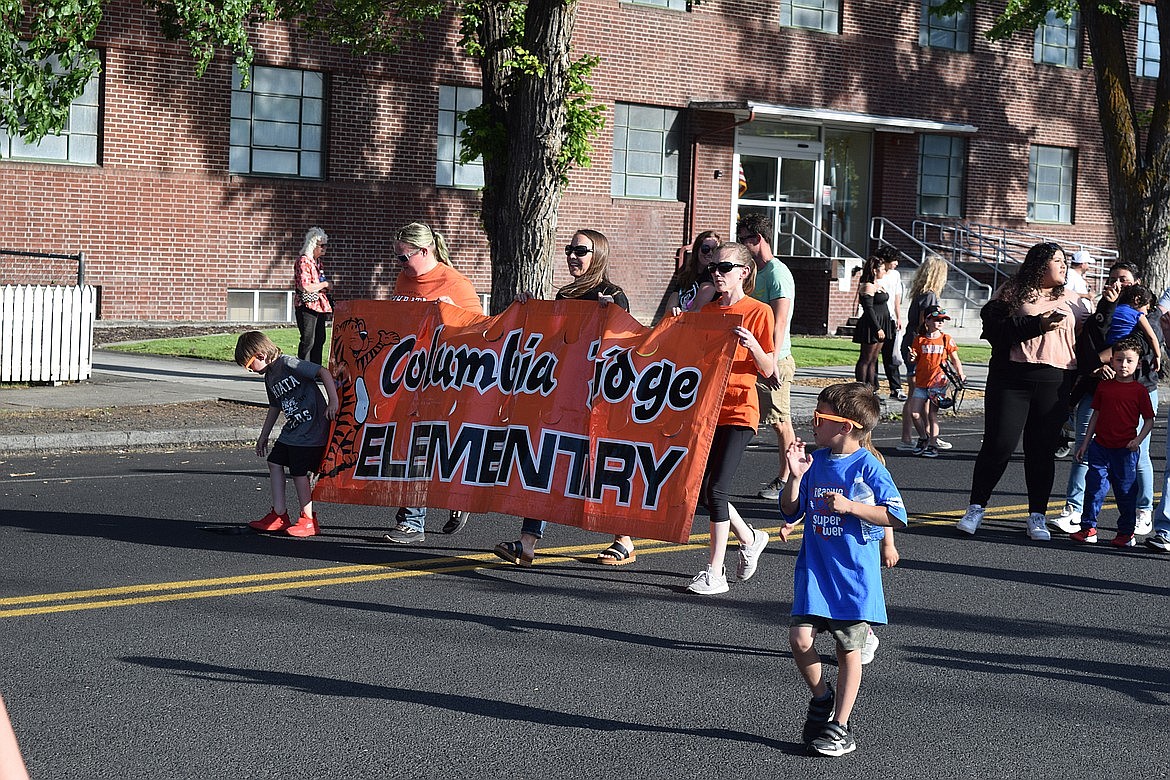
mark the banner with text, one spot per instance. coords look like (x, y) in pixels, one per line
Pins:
(566, 411)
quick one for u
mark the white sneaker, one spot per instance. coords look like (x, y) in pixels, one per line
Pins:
(871, 646)
(1069, 520)
(749, 554)
(1145, 522)
(707, 584)
(969, 524)
(1038, 528)
(942, 445)
(771, 491)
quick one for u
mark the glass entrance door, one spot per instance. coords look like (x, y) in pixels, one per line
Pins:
(785, 188)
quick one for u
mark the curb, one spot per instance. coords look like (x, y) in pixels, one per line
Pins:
(46, 442)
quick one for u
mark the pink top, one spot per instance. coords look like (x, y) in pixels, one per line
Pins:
(309, 272)
(1056, 347)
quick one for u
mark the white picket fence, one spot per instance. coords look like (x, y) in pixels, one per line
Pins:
(46, 333)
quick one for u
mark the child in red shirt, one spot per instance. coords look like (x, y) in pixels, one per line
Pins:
(1110, 448)
(931, 349)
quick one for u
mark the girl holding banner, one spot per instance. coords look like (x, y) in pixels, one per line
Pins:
(733, 273)
(587, 257)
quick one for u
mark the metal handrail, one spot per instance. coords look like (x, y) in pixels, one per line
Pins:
(79, 257)
(971, 292)
(839, 249)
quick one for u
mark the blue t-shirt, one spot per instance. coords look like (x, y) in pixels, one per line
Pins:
(292, 388)
(1125, 319)
(839, 568)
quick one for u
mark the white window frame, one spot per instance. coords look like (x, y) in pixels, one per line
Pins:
(78, 143)
(647, 144)
(264, 130)
(1057, 42)
(951, 32)
(935, 185)
(256, 293)
(453, 102)
(1149, 55)
(1051, 181)
(821, 15)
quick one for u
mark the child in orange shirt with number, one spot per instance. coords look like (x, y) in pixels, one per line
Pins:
(931, 349)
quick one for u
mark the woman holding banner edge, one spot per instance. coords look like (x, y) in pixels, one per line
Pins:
(587, 257)
(733, 273)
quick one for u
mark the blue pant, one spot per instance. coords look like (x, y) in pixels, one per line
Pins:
(412, 517)
(1116, 467)
(1075, 494)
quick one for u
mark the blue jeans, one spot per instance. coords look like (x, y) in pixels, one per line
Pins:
(533, 527)
(412, 517)
(1075, 494)
(1106, 467)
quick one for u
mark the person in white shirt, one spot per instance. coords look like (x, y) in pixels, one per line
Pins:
(1078, 266)
(892, 284)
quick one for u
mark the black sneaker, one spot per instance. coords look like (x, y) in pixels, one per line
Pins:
(929, 452)
(834, 740)
(920, 446)
(401, 534)
(457, 520)
(820, 713)
(1158, 542)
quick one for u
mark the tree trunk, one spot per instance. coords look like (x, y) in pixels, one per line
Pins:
(1139, 177)
(522, 188)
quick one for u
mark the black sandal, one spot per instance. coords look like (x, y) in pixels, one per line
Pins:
(513, 552)
(617, 554)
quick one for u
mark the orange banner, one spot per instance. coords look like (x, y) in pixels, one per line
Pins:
(564, 411)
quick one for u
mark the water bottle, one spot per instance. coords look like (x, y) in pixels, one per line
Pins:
(863, 494)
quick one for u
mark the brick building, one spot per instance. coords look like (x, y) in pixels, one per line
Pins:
(189, 196)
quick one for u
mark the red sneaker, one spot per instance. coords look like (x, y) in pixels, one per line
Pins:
(1086, 535)
(306, 526)
(1123, 540)
(271, 523)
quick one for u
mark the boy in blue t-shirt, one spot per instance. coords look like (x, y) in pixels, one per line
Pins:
(847, 499)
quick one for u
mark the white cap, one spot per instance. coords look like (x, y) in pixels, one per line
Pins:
(1081, 257)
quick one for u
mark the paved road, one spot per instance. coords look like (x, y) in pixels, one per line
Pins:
(138, 646)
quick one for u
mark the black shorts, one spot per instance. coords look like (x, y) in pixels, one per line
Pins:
(298, 460)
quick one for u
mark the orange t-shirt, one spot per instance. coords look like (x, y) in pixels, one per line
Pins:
(435, 283)
(741, 405)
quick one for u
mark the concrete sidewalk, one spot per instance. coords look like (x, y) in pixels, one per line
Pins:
(123, 379)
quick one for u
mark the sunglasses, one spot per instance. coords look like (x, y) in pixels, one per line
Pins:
(706, 249)
(724, 267)
(404, 258)
(820, 417)
(252, 360)
(580, 250)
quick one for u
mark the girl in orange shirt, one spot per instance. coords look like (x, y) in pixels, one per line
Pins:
(733, 274)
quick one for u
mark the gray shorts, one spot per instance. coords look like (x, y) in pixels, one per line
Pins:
(850, 634)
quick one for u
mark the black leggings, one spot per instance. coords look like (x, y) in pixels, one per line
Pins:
(1027, 398)
(893, 373)
(312, 326)
(726, 452)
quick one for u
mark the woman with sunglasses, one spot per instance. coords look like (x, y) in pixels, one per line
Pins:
(734, 274)
(587, 257)
(427, 275)
(312, 303)
(874, 325)
(691, 287)
(1032, 324)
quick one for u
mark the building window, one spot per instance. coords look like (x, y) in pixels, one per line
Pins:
(77, 143)
(453, 101)
(942, 162)
(260, 305)
(646, 143)
(1057, 42)
(674, 5)
(1148, 54)
(823, 15)
(1050, 184)
(944, 32)
(278, 123)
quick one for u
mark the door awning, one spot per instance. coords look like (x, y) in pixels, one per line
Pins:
(745, 109)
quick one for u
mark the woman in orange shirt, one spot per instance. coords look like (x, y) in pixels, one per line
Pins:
(733, 274)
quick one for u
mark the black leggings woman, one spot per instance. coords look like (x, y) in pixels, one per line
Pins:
(874, 324)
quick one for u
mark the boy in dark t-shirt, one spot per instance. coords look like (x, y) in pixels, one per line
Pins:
(292, 389)
(1110, 447)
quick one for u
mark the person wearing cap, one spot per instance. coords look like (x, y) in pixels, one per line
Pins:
(931, 349)
(1078, 266)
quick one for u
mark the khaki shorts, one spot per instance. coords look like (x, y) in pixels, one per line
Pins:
(776, 405)
(850, 634)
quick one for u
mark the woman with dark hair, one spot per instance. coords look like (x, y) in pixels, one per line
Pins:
(874, 325)
(1032, 324)
(692, 288)
(587, 257)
